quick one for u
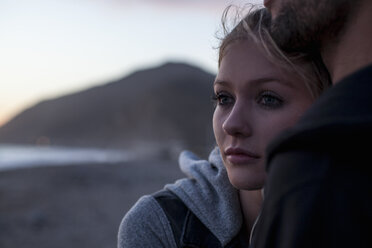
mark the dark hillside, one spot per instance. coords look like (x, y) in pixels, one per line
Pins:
(167, 106)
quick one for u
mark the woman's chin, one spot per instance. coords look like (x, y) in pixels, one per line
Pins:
(251, 182)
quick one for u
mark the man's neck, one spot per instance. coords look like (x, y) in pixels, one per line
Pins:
(353, 50)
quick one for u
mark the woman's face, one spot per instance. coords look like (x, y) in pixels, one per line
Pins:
(255, 101)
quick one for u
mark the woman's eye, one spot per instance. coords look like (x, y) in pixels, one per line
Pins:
(270, 100)
(223, 99)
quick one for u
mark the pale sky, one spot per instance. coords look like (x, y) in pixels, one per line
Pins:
(53, 47)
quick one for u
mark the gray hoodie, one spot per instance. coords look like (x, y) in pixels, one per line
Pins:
(206, 191)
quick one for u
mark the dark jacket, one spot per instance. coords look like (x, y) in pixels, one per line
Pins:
(319, 187)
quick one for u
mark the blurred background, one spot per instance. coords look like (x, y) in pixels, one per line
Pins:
(97, 99)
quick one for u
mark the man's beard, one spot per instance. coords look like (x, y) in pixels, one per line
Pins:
(306, 25)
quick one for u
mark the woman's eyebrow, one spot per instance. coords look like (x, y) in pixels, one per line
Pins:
(272, 79)
(263, 80)
(221, 82)
(260, 80)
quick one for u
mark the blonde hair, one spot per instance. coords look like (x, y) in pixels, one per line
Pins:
(255, 26)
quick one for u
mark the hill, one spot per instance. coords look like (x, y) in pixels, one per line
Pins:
(165, 107)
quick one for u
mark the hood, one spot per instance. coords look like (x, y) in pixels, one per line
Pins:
(207, 192)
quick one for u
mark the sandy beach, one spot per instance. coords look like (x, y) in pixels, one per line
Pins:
(74, 205)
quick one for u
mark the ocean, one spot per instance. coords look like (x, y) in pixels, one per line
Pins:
(14, 156)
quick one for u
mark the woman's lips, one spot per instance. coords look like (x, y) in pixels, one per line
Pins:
(240, 159)
(240, 156)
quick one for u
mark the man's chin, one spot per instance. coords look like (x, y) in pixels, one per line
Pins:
(304, 26)
(287, 33)
(274, 14)
(272, 7)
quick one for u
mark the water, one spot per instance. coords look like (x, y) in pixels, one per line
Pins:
(12, 157)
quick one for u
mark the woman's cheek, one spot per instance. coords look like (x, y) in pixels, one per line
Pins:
(217, 125)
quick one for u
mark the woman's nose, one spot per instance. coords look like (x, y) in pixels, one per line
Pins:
(237, 122)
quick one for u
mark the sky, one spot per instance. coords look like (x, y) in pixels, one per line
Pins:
(49, 48)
